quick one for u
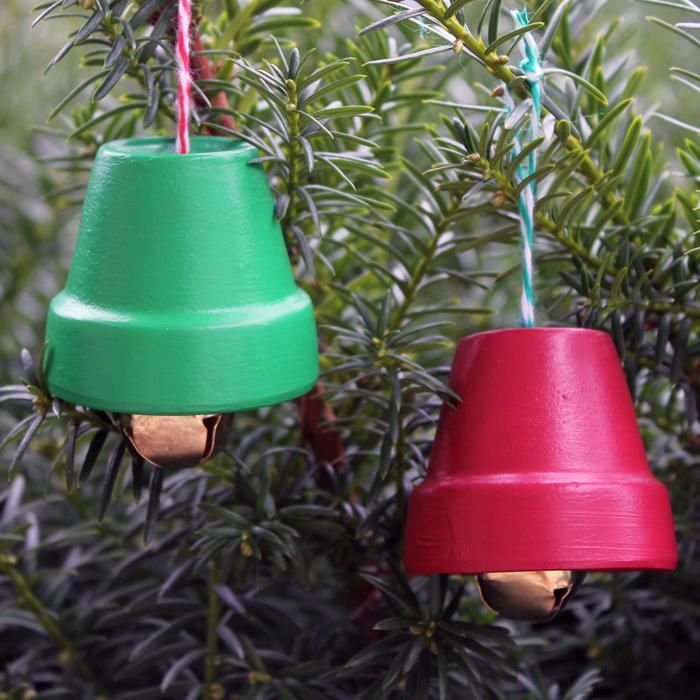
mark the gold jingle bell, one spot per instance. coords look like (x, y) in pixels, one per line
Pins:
(536, 596)
(177, 441)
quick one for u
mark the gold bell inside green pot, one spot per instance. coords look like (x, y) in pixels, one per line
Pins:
(177, 441)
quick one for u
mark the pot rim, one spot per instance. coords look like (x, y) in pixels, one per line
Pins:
(163, 148)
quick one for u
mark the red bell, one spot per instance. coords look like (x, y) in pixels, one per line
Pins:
(541, 466)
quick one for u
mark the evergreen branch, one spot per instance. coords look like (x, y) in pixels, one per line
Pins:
(213, 620)
(497, 65)
(8, 566)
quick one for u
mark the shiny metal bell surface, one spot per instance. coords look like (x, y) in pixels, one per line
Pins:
(177, 441)
(536, 596)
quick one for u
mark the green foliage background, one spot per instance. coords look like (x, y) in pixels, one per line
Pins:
(273, 571)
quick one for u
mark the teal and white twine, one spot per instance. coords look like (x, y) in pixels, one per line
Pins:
(532, 70)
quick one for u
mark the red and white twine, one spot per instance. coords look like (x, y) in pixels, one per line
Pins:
(184, 77)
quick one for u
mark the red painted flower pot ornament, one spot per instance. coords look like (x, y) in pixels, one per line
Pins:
(539, 473)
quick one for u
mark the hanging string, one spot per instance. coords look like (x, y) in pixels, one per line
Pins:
(184, 77)
(526, 199)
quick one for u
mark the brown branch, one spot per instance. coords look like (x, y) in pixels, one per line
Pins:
(316, 418)
(203, 70)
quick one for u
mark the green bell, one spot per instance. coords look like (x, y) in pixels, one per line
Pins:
(180, 298)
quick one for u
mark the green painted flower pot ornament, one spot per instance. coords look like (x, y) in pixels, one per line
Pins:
(181, 301)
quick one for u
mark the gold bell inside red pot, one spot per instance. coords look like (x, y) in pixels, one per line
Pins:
(536, 596)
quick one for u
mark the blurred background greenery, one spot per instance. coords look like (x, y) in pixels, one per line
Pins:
(27, 94)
